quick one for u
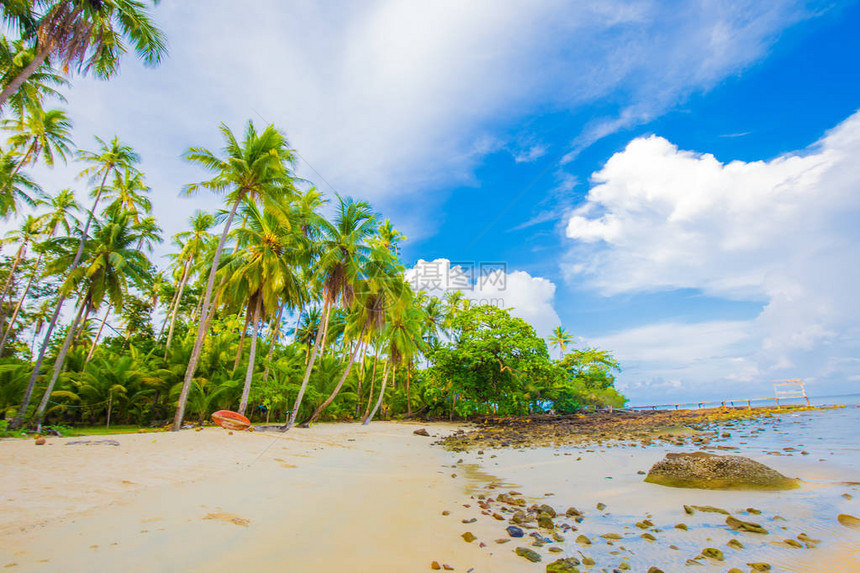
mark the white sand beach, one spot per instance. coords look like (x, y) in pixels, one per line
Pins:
(344, 496)
(357, 498)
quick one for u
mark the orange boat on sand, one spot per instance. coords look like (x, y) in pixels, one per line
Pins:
(230, 420)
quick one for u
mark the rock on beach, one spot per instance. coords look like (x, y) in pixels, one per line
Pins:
(709, 471)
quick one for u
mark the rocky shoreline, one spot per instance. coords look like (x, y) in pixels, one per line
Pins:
(606, 537)
(619, 427)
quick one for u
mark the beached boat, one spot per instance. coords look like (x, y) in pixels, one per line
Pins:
(230, 420)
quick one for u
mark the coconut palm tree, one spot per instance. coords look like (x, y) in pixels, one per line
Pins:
(403, 341)
(380, 287)
(260, 271)
(40, 134)
(17, 187)
(128, 193)
(62, 207)
(29, 231)
(14, 57)
(257, 168)
(342, 253)
(90, 35)
(110, 158)
(560, 339)
(110, 265)
(193, 244)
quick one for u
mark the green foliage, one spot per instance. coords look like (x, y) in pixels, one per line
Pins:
(496, 363)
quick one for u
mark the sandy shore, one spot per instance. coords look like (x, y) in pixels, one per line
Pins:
(334, 497)
(370, 498)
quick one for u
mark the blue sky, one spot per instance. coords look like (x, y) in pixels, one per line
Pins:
(672, 182)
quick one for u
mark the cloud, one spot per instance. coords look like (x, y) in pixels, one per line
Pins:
(783, 232)
(527, 297)
(388, 99)
(533, 153)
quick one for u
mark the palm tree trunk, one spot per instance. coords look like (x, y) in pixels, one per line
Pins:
(58, 363)
(408, 397)
(360, 380)
(372, 383)
(242, 339)
(201, 329)
(275, 332)
(340, 382)
(22, 77)
(368, 419)
(31, 384)
(174, 304)
(81, 325)
(250, 372)
(20, 304)
(98, 335)
(310, 366)
(9, 279)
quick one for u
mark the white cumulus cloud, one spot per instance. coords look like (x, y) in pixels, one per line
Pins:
(783, 232)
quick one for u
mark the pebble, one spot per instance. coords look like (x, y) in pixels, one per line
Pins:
(529, 554)
(514, 531)
(468, 537)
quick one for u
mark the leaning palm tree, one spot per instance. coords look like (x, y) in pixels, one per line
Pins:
(193, 245)
(110, 266)
(403, 341)
(342, 253)
(42, 84)
(110, 158)
(379, 288)
(257, 168)
(90, 35)
(29, 231)
(560, 339)
(59, 217)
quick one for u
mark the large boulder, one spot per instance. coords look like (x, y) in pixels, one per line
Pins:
(708, 471)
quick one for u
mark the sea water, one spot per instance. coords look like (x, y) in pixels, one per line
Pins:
(821, 447)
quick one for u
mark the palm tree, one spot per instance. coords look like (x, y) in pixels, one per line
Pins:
(63, 204)
(39, 133)
(14, 57)
(342, 253)
(16, 186)
(560, 339)
(193, 244)
(257, 168)
(403, 341)
(128, 193)
(110, 158)
(260, 271)
(110, 264)
(29, 231)
(90, 35)
(379, 288)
